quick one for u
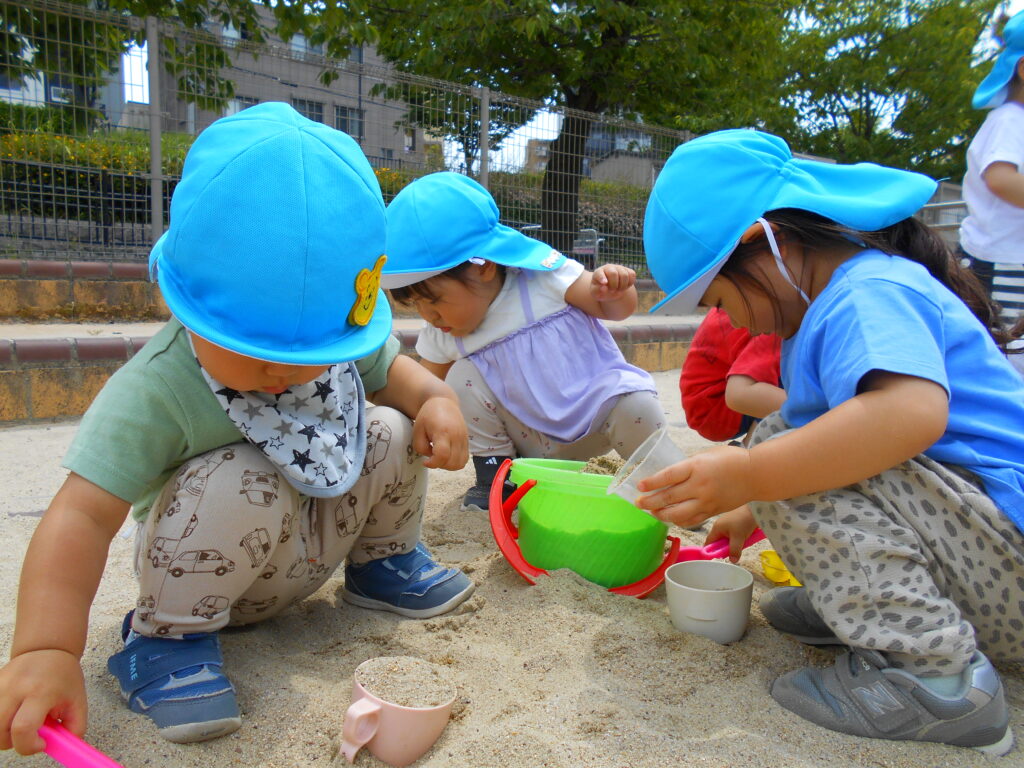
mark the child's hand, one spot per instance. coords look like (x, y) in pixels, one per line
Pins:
(36, 684)
(735, 525)
(610, 281)
(700, 487)
(439, 433)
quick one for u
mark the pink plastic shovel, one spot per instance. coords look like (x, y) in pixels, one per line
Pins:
(715, 549)
(69, 750)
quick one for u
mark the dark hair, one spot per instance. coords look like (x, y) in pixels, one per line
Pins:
(408, 294)
(910, 238)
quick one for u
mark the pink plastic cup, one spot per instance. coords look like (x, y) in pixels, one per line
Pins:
(394, 734)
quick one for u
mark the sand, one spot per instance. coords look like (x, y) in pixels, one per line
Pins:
(562, 674)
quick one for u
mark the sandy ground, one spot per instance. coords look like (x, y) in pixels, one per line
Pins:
(562, 674)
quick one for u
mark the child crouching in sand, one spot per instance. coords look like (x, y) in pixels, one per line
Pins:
(241, 439)
(892, 480)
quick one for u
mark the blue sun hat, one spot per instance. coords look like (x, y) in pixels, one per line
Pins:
(994, 88)
(714, 187)
(276, 241)
(444, 219)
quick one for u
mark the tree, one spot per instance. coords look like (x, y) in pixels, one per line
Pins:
(888, 81)
(78, 51)
(617, 57)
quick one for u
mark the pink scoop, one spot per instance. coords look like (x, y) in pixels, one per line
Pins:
(69, 750)
(715, 549)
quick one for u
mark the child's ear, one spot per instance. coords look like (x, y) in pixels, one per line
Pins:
(754, 232)
(488, 270)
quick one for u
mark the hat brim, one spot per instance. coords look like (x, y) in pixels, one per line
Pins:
(993, 90)
(353, 346)
(686, 299)
(504, 245)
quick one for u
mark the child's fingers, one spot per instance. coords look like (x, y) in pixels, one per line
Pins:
(25, 726)
(672, 475)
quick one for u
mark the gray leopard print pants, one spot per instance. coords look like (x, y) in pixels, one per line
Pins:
(917, 562)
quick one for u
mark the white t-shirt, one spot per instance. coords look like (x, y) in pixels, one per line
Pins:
(994, 229)
(505, 315)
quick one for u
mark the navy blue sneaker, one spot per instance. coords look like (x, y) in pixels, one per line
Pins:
(178, 684)
(412, 585)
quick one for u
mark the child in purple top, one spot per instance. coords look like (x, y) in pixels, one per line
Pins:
(515, 328)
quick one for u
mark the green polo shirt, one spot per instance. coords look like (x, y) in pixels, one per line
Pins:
(157, 411)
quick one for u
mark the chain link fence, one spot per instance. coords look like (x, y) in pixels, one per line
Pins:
(97, 112)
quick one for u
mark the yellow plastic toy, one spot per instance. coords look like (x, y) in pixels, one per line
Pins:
(775, 570)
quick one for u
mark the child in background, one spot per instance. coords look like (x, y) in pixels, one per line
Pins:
(993, 231)
(729, 379)
(515, 328)
(241, 440)
(892, 480)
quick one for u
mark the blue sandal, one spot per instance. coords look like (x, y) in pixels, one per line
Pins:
(178, 684)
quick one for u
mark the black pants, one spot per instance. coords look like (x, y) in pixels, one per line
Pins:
(985, 271)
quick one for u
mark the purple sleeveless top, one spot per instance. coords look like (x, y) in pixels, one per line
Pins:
(559, 375)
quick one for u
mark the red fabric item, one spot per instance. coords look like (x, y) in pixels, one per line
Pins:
(717, 352)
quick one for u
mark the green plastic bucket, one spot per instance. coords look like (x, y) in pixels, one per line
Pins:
(569, 521)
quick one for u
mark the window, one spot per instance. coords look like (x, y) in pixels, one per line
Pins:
(314, 110)
(135, 68)
(237, 104)
(387, 153)
(228, 32)
(410, 139)
(350, 120)
(301, 45)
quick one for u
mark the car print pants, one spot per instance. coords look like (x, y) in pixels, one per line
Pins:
(229, 541)
(495, 431)
(917, 562)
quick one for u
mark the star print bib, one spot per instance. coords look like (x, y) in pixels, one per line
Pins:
(313, 433)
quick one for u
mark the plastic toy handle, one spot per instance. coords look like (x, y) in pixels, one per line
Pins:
(361, 721)
(500, 516)
(67, 749)
(720, 547)
(649, 583)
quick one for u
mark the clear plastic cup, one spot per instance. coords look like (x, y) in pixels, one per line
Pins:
(654, 454)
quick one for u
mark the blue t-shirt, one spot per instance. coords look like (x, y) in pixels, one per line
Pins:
(882, 312)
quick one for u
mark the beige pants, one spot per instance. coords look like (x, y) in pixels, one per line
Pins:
(229, 541)
(494, 431)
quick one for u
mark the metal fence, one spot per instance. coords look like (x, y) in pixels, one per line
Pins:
(97, 111)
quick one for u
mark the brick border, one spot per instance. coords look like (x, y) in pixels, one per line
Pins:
(57, 378)
(87, 270)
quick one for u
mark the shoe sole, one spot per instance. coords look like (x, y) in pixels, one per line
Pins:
(190, 733)
(812, 640)
(409, 613)
(1001, 747)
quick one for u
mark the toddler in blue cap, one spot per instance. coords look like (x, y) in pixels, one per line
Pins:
(993, 232)
(515, 328)
(891, 481)
(242, 439)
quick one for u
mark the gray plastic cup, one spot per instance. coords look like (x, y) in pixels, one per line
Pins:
(654, 454)
(709, 598)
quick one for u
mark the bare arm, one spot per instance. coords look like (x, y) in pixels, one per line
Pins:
(1005, 182)
(748, 396)
(609, 292)
(59, 578)
(892, 420)
(439, 431)
(438, 369)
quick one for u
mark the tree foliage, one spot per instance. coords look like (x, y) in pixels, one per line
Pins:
(79, 51)
(888, 81)
(616, 57)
